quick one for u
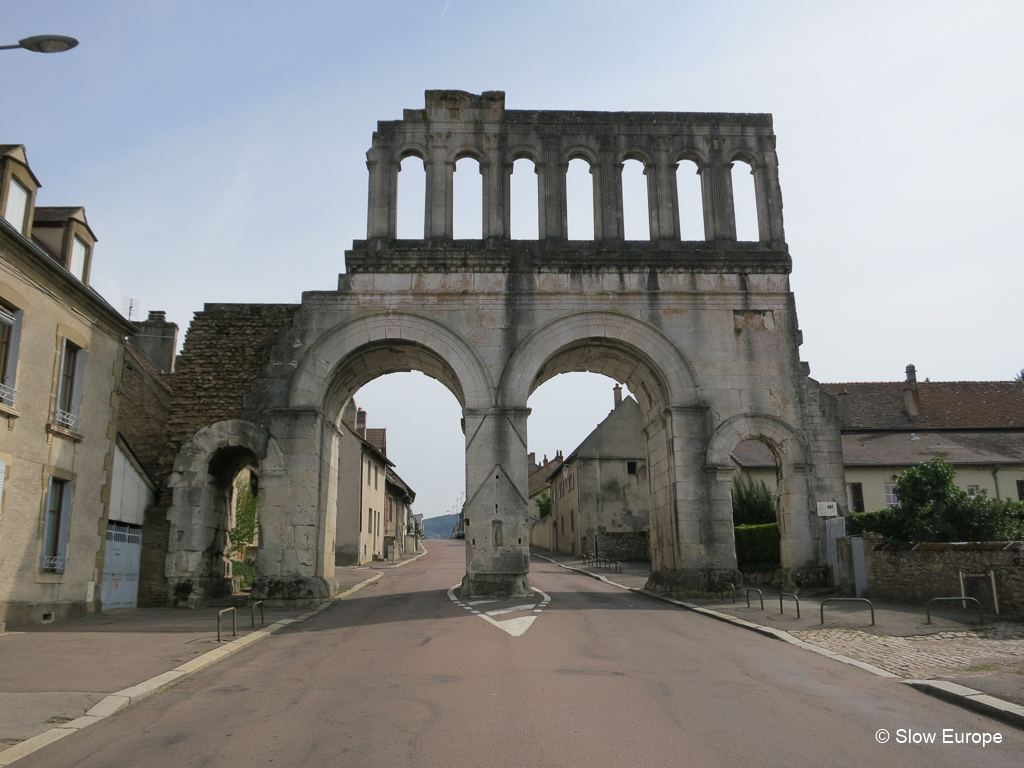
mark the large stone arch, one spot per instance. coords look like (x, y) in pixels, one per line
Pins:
(657, 372)
(204, 466)
(797, 521)
(444, 353)
(530, 366)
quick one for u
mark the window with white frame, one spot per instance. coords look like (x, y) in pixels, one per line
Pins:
(17, 203)
(53, 555)
(973, 490)
(10, 336)
(69, 386)
(79, 255)
(890, 495)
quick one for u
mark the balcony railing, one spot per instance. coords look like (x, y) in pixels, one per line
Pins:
(66, 420)
(8, 396)
(53, 563)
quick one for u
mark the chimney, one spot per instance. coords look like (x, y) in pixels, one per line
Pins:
(361, 423)
(533, 460)
(844, 407)
(156, 341)
(618, 395)
(911, 397)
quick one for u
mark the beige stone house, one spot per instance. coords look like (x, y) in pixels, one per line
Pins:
(600, 494)
(398, 521)
(977, 426)
(541, 529)
(362, 497)
(61, 348)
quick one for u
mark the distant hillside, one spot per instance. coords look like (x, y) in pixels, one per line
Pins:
(439, 527)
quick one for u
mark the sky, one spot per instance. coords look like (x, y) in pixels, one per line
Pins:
(219, 150)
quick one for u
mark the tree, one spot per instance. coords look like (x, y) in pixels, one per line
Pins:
(244, 532)
(1019, 377)
(932, 508)
(544, 503)
(752, 502)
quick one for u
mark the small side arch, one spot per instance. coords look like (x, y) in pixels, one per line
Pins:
(634, 153)
(746, 156)
(692, 154)
(784, 440)
(525, 152)
(470, 151)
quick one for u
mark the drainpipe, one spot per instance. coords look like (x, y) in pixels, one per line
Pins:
(995, 478)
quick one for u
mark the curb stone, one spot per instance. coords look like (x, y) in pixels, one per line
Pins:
(119, 700)
(959, 695)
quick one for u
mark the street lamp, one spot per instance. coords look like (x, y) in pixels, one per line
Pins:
(44, 44)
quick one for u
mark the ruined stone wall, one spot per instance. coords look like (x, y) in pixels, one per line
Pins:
(226, 348)
(618, 545)
(918, 572)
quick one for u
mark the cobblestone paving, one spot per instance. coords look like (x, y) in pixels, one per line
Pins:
(998, 648)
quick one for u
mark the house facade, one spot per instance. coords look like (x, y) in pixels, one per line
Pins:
(600, 493)
(61, 356)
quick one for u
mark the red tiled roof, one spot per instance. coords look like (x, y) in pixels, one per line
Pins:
(944, 405)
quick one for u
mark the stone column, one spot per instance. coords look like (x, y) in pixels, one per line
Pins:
(551, 190)
(704, 554)
(662, 198)
(497, 492)
(496, 192)
(797, 525)
(769, 194)
(382, 207)
(608, 196)
(440, 176)
(293, 518)
(716, 191)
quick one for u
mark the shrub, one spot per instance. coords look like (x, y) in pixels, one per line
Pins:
(752, 502)
(758, 547)
(932, 508)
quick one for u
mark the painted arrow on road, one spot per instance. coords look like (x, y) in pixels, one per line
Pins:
(514, 625)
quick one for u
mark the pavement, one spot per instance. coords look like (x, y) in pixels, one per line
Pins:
(988, 658)
(54, 674)
(406, 671)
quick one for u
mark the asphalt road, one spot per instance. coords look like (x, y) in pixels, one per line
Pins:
(400, 675)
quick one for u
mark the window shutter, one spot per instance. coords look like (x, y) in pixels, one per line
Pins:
(65, 519)
(13, 342)
(60, 373)
(79, 382)
(77, 265)
(17, 202)
(3, 476)
(857, 491)
(48, 527)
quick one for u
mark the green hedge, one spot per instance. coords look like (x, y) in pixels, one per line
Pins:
(758, 547)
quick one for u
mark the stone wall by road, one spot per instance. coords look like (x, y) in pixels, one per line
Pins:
(619, 545)
(918, 572)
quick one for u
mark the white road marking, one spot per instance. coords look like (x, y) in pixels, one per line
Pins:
(515, 627)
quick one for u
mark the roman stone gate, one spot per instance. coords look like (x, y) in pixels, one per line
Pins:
(704, 333)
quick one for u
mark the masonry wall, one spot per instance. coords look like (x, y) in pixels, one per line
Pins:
(918, 572)
(619, 545)
(226, 348)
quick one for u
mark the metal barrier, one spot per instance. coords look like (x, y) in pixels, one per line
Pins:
(608, 565)
(234, 622)
(759, 594)
(790, 594)
(721, 592)
(847, 600)
(928, 606)
(263, 618)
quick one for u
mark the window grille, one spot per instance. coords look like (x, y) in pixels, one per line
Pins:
(8, 395)
(69, 421)
(53, 563)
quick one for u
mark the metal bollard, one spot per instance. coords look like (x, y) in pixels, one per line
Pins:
(789, 594)
(848, 600)
(234, 622)
(928, 606)
(759, 594)
(263, 618)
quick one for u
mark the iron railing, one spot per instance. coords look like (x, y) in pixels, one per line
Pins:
(66, 420)
(8, 396)
(53, 563)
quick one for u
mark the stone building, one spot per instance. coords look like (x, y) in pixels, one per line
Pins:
(600, 497)
(704, 333)
(361, 495)
(62, 472)
(541, 528)
(398, 520)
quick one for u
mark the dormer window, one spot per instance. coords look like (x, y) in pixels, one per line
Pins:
(16, 205)
(79, 256)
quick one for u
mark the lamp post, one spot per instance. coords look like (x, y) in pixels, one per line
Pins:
(44, 44)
